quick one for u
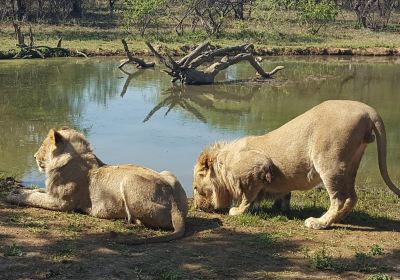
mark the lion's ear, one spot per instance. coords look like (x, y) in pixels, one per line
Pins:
(54, 136)
(205, 160)
(268, 171)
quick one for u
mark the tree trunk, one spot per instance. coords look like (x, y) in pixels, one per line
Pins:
(111, 4)
(21, 9)
(185, 70)
(76, 9)
(239, 9)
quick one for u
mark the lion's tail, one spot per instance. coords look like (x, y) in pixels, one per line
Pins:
(380, 134)
(178, 223)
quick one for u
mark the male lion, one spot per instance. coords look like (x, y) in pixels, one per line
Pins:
(325, 144)
(76, 180)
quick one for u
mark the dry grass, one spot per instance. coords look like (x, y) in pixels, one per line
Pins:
(103, 37)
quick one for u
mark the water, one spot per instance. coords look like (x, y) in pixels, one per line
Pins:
(110, 106)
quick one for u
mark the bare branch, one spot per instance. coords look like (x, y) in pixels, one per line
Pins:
(185, 70)
(132, 59)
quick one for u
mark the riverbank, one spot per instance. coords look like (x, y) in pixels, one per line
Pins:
(42, 244)
(103, 38)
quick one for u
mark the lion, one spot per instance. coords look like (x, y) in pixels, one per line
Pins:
(323, 145)
(76, 180)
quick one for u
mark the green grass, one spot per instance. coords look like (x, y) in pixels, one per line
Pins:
(322, 260)
(13, 251)
(65, 251)
(380, 277)
(366, 262)
(170, 275)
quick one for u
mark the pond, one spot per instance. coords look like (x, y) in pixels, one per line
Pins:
(140, 118)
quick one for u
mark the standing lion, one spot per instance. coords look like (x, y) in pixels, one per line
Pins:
(325, 144)
(76, 180)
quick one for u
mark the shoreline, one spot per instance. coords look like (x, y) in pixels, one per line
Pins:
(261, 51)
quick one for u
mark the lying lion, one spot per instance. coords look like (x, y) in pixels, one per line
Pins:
(325, 144)
(76, 180)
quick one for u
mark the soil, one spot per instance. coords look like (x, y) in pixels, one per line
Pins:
(42, 244)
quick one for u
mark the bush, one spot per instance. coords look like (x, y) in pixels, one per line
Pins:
(316, 14)
(143, 13)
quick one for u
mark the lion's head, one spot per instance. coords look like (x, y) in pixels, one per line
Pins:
(62, 141)
(207, 196)
(222, 173)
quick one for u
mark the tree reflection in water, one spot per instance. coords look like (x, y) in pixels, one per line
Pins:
(201, 101)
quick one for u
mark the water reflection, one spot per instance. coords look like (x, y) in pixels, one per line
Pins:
(203, 101)
(139, 117)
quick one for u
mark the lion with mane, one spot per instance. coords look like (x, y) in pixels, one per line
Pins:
(323, 145)
(76, 180)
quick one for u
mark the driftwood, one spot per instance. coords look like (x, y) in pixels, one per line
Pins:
(185, 70)
(32, 51)
(140, 63)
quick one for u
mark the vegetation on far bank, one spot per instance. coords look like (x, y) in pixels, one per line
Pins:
(275, 27)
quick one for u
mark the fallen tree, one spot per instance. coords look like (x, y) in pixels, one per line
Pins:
(189, 69)
(31, 51)
(140, 63)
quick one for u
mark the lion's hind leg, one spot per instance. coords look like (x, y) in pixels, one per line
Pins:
(342, 200)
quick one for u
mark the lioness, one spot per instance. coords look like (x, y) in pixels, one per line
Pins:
(325, 144)
(76, 180)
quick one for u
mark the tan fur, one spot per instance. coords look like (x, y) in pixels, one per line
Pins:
(325, 144)
(76, 180)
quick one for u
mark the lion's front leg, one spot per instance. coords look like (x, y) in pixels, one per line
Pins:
(36, 198)
(246, 203)
(243, 207)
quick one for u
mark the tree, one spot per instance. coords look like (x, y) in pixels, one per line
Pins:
(373, 14)
(212, 14)
(315, 14)
(77, 11)
(141, 13)
(111, 5)
(21, 9)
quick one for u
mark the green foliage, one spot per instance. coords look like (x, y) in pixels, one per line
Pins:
(322, 260)
(143, 13)
(376, 250)
(316, 14)
(380, 277)
(170, 275)
(13, 251)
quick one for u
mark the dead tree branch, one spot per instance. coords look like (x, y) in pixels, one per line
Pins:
(140, 63)
(32, 51)
(186, 69)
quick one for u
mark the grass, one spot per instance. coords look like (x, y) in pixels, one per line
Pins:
(322, 259)
(170, 275)
(13, 251)
(283, 33)
(270, 240)
(66, 251)
(380, 277)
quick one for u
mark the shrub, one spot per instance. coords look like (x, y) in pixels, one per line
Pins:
(316, 14)
(143, 13)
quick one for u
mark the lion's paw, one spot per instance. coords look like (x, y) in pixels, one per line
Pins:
(234, 211)
(315, 223)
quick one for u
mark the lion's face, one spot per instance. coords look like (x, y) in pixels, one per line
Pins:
(46, 151)
(203, 188)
